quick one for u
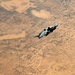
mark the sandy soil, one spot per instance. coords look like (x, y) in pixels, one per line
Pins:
(23, 54)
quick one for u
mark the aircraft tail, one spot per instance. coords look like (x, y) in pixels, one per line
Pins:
(55, 24)
(37, 36)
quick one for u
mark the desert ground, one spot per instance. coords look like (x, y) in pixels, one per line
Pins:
(23, 54)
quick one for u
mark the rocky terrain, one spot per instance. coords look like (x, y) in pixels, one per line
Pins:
(23, 54)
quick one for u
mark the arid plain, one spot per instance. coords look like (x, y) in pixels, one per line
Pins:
(23, 54)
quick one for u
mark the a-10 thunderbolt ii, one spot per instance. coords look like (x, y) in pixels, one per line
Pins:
(47, 30)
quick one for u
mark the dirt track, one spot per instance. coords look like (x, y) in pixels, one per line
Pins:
(23, 54)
